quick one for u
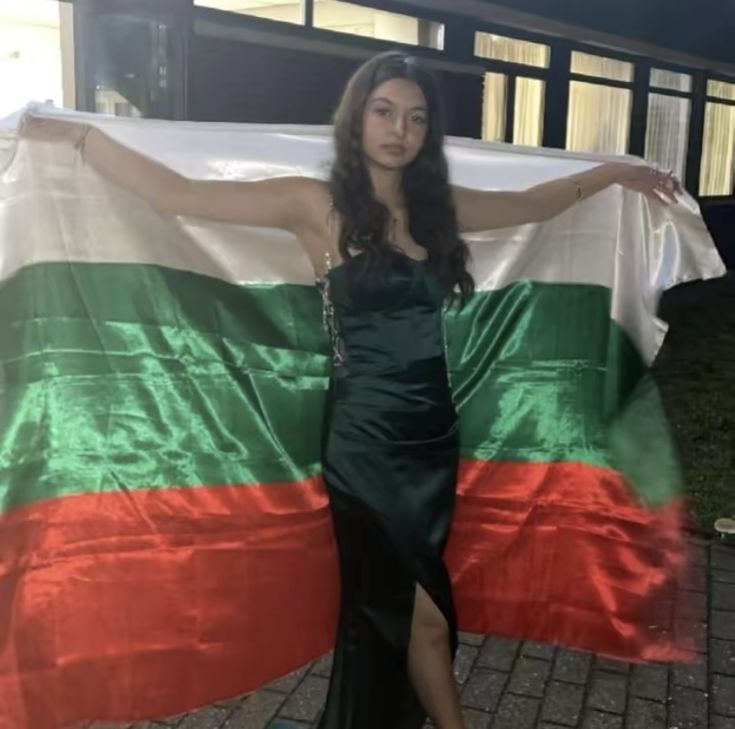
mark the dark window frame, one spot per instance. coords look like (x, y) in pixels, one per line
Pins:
(459, 44)
(638, 104)
(513, 71)
(168, 12)
(693, 161)
(308, 30)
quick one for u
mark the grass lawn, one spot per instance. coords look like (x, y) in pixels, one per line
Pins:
(695, 370)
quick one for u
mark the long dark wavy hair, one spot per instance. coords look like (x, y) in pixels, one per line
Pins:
(425, 181)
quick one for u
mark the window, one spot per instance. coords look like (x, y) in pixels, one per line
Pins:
(528, 120)
(667, 131)
(287, 11)
(721, 90)
(528, 109)
(130, 64)
(661, 79)
(344, 17)
(502, 48)
(31, 56)
(610, 68)
(718, 150)
(598, 118)
(493, 115)
(513, 106)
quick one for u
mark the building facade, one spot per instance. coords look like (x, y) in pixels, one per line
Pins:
(653, 79)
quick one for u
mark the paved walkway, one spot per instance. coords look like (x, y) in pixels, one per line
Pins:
(509, 684)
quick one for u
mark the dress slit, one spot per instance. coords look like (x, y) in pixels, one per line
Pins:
(379, 587)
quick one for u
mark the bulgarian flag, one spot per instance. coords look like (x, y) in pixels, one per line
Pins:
(165, 536)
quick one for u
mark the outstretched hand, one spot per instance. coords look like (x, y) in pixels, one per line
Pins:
(655, 184)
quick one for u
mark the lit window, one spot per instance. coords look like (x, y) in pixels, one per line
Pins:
(501, 48)
(528, 110)
(721, 90)
(667, 133)
(528, 122)
(287, 11)
(661, 79)
(601, 67)
(493, 123)
(354, 19)
(718, 150)
(31, 56)
(598, 119)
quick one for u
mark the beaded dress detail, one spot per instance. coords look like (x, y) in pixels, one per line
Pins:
(328, 316)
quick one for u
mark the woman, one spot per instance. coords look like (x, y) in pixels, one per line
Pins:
(383, 238)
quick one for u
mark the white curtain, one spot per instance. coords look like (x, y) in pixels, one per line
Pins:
(513, 50)
(598, 118)
(718, 150)
(528, 122)
(721, 89)
(601, 66)
(493, 113)
(662, 79)
(667, 134)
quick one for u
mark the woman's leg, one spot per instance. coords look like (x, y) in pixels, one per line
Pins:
(430, 663)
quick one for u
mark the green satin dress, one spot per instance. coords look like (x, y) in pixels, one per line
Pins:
(390, 458)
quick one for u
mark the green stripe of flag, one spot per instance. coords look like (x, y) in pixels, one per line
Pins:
(136, 375)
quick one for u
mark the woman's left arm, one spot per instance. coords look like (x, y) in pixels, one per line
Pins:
(488, 209)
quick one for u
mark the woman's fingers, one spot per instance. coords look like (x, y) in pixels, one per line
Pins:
(667, 191)
(665, 184)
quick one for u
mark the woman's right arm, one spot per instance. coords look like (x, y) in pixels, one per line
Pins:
(282, 202)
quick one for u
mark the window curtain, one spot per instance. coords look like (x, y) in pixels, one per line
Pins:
(598, 119)
(667, 134)
(718, 151)
(528, 122)
(493, 113)
(513, 50)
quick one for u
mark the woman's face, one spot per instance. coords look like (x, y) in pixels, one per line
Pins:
(394, 123)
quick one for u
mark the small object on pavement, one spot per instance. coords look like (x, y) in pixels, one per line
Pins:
(726, 529)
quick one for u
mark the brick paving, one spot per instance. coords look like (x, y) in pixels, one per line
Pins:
(511, 684)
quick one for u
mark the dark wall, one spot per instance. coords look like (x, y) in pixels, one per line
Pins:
(246, 82)
(699, 27)
(720, 218)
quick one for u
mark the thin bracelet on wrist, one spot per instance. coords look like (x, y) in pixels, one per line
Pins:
(576, 184)
(81, 143)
